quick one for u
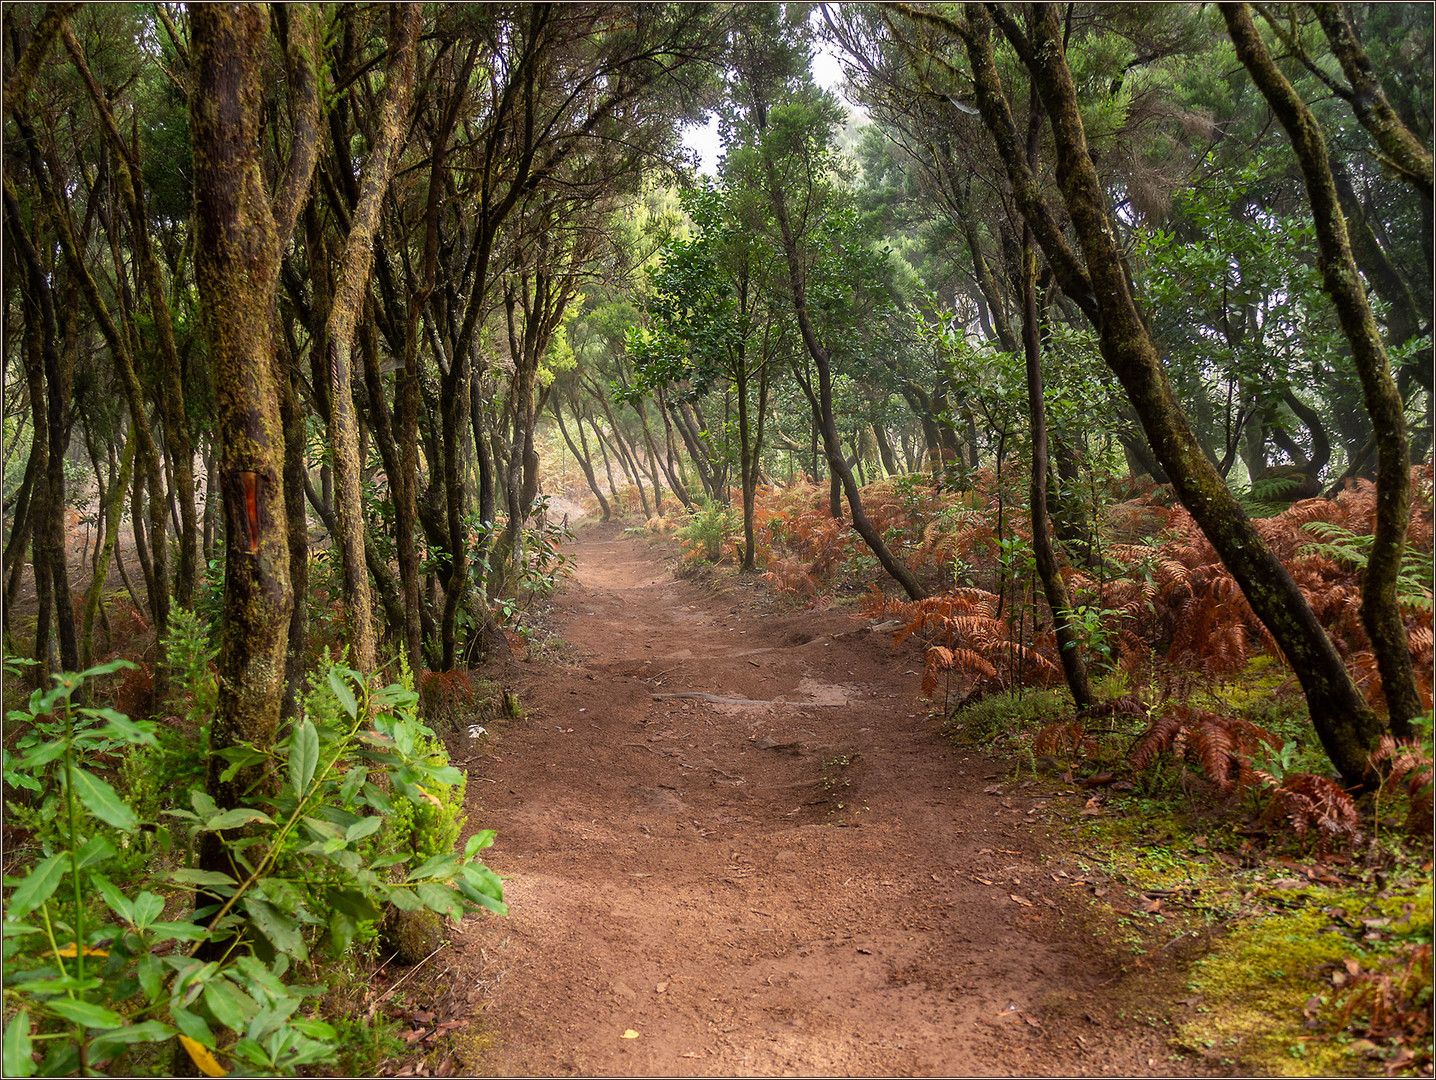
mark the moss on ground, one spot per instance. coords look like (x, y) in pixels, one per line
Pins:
(1250, 927)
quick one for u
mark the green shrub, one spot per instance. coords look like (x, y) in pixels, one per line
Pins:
(98, 980)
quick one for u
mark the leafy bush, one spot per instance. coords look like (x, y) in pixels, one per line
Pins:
(706, 531)
(97, 978)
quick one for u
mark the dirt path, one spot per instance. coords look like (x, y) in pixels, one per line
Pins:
(794, 884)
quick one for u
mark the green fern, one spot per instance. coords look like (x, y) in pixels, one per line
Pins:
(1341, 545)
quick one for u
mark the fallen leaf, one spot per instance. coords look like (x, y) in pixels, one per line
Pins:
(201, 1056)
(629, 1034)
(992, 789)
(68, 951)
(1019, 900)
(983, 880)
(1093, 807)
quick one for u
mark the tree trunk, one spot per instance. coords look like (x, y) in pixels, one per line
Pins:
(1404, 152)
(1380, 611)
(581, 457)
(351, 288)
(1345, 723)
(291, 414)
(899, 573)
(1058, 602)
(114, 506)
(237, 272)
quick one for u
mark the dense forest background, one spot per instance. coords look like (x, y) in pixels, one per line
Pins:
(1099, 335)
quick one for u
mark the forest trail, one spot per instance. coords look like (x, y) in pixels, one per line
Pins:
(795, 884)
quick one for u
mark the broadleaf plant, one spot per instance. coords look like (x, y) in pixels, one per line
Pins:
(94, 973)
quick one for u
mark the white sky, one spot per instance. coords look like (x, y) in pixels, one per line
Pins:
(827, 73)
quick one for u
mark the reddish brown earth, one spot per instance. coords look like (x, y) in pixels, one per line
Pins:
(712, 877)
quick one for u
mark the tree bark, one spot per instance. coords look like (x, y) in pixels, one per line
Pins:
(237, 271)
(351, 287)
(1345, 723)
(1380, 610)
(1404, 151)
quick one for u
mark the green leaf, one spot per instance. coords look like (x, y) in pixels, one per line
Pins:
(86, 1013)
(37, 887)
(482, 839)
(18, 1046)
(304, 754)
(444, 774)
(352, 782)
(150, 973)
(96, 849)
(122, 728)
(191, 1025)
(230, 1005)
(107, 668)
(352, 903)
(211, 878)
(404, 899)
(148, 907)
(340, 686)
(484, 879)
(280, 929)
(182, 931)
(323, 830)
(315, 1029)
(436, 866)
(119, 903)
(43, 754)
(439, 898)
(342, 928)
(480, 897)
(232, 819)
(362, 828)
(240, 757)
(203, 805)
(148, 1031)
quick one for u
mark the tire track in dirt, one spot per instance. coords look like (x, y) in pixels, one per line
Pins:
(812, 881)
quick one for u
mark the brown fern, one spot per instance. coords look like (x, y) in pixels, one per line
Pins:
(1411, 767)
(1221, 746)
(1308, 803)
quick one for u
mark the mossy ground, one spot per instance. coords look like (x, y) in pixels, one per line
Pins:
(1255, 927)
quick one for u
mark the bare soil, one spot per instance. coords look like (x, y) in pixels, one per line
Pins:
(806, 878)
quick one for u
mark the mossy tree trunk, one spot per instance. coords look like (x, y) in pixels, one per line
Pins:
(1380, 611)
(348, 302)
(237, 258)
(1096, 281)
